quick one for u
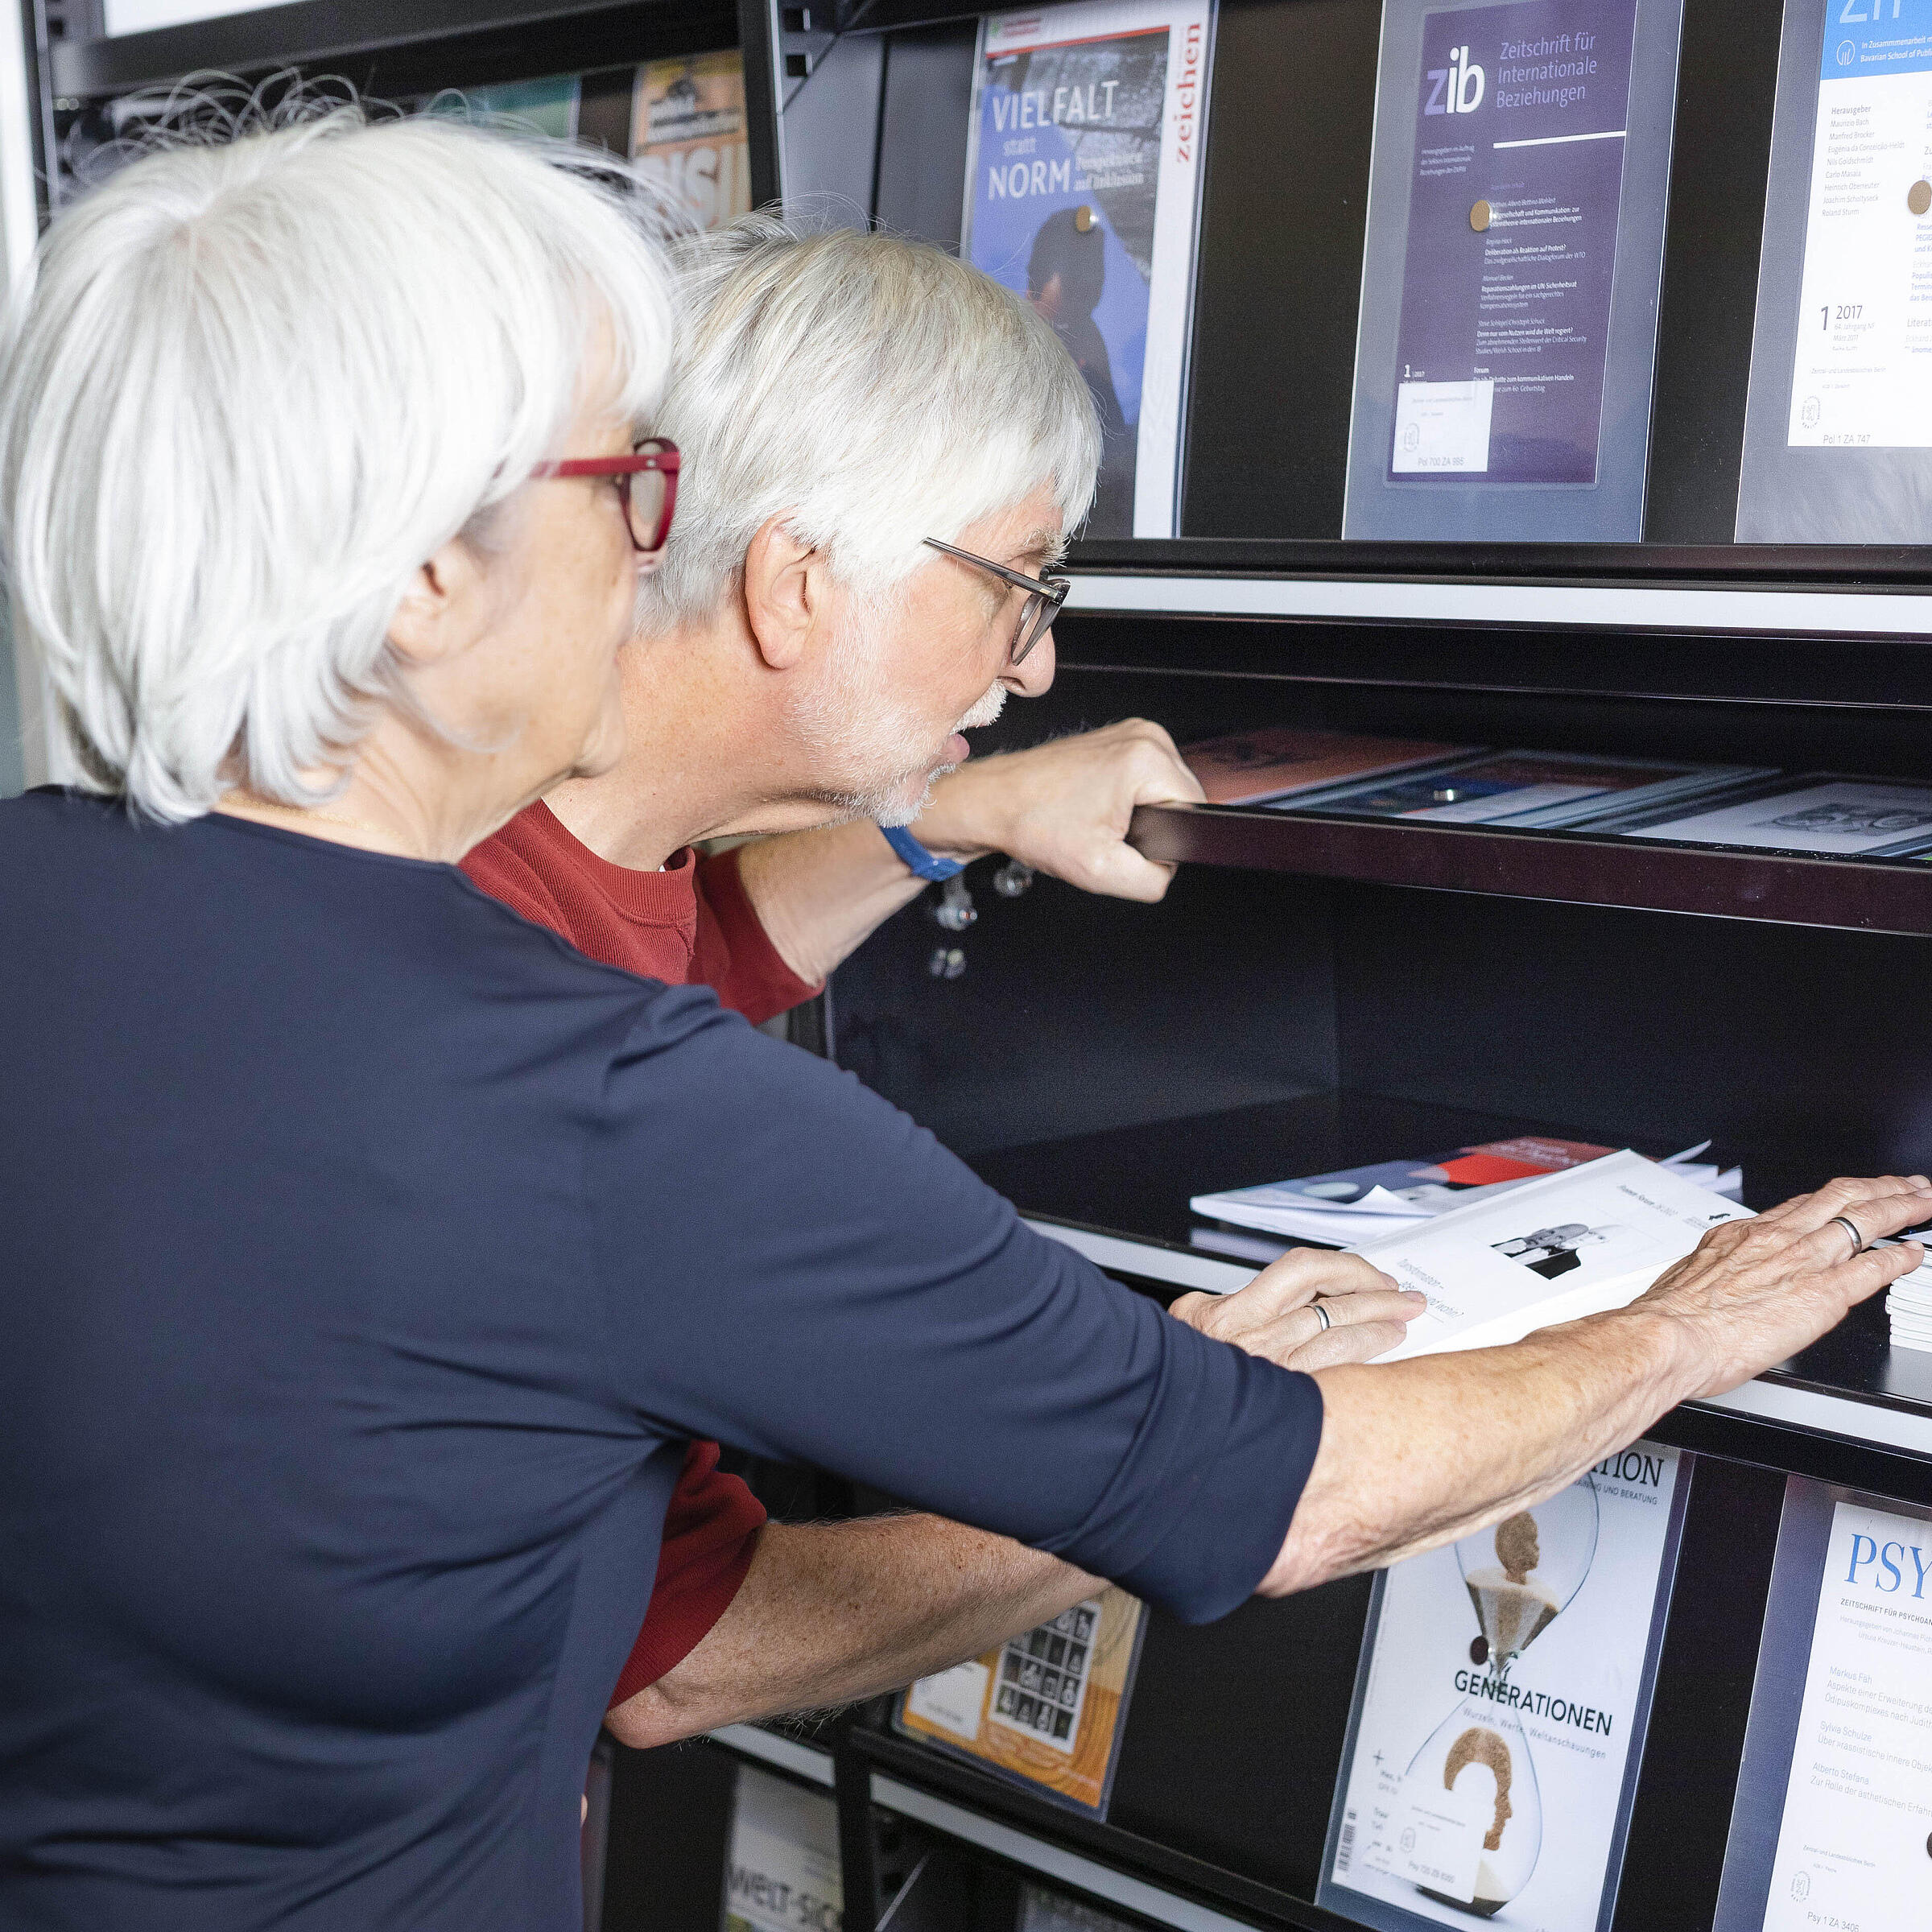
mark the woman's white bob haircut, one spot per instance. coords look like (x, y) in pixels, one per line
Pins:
(877, 389)
(257, 383)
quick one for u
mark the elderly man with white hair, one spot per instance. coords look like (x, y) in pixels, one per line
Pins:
(374, 1256)
(837, 398)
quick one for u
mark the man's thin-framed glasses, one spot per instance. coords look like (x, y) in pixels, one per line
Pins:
(1043, 606)
(647, 485)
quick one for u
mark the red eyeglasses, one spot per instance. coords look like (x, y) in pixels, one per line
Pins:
(647, 485)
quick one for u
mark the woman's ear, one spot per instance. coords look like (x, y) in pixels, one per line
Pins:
(445, 608)
(786, 592)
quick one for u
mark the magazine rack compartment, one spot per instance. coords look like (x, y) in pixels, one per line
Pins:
(1238, 1733)
(567, 66)
(1287, 200)
(667, 1835)
(380, 46)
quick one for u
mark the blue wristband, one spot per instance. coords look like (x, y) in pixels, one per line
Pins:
(921, 863)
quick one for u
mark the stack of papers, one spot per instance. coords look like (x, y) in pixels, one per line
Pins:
(1246, 767)
(1358, 1204)
(1548, 1251)
(1908, 1303)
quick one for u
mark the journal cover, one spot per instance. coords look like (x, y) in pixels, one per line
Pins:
(1846, 818)
(1829, 1826)
(781, 1872)
(687, 130)
(1244, 768)
(549, 106)
(1501, 1705)
(1508, 321)
(1047, 1707)
(1082, 187)
(1838, 428)
(1357, 1203)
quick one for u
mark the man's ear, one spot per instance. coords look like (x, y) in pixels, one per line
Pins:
(784, 593)
(444, 609)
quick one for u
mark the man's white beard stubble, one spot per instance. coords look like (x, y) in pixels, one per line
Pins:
(889, 804)
(864, 728)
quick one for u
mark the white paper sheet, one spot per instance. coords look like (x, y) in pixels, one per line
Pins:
(1841, 816)
(1548, 1251)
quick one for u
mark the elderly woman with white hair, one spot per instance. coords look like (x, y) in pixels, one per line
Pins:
(373, 1254)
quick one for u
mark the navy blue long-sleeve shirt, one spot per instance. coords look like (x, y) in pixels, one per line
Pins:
(367, 1258)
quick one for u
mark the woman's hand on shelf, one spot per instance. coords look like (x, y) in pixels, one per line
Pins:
(1276, 1315)
(1752, 1293)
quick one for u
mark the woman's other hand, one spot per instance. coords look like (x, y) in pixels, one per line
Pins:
(1275, 1316)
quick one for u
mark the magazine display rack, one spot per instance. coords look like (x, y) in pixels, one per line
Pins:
(1323, 989)
(1318, 989)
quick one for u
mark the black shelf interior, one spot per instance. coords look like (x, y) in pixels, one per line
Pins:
(1136, 1181)
(1317, 992)
(1500, 670)
(1688, 566)
(1149, 1853)
(1795, 706)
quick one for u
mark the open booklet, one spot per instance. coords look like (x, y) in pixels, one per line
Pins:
(1572, 1244)
(1356, 1204)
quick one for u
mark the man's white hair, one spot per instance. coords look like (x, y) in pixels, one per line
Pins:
(257, 383)
(877, 389)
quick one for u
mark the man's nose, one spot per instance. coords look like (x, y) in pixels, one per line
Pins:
(1033, 675)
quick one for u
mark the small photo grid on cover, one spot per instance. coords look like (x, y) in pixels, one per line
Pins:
(1042, 1678)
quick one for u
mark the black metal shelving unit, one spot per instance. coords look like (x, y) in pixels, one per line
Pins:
(1320, 990)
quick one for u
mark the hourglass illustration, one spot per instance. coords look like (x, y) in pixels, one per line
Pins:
(1479, 1755)
(1522, 1574)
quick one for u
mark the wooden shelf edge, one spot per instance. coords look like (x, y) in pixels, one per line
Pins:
(1570, 868)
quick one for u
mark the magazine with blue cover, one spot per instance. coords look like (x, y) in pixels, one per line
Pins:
(1084, 173)
(1514, 251)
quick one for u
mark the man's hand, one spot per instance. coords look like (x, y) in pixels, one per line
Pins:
(1274, 1315)
(1064, 808)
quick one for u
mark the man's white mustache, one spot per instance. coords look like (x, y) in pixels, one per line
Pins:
(983, 713)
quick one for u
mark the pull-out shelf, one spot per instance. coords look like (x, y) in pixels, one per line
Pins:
(1577, 868)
